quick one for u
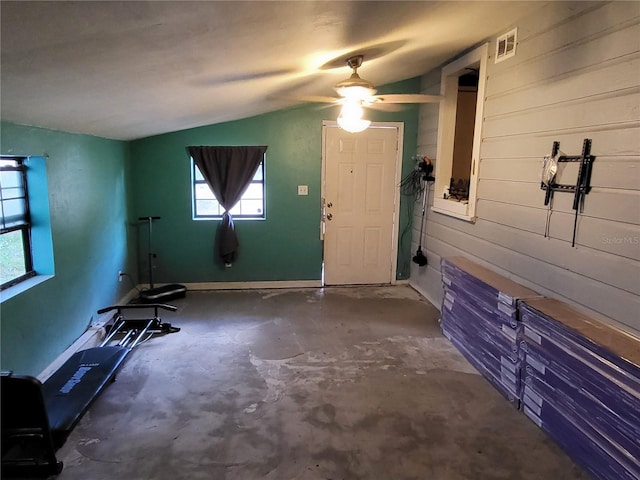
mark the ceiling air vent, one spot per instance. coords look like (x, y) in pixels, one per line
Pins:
(506, 45)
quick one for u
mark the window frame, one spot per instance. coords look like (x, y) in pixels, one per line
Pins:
(25, 227)
(477, 58)
(194, 182)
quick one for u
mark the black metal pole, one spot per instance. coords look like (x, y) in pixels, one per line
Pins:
(150, 253)
(424, 209)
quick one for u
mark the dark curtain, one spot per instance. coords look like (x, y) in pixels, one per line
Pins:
(228, 171)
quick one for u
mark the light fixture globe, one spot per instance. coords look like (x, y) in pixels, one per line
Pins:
(350, 118)
(353, 125)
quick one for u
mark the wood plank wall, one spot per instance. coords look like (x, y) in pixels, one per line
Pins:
(575, 75)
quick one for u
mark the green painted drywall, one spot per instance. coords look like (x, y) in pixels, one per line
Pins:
(284, 246)
(88, 209)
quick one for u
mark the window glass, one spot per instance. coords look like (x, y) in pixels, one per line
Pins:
(205, 204)
(15, 245)
(12, 264)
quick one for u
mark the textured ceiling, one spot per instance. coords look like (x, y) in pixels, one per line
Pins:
(127, 70)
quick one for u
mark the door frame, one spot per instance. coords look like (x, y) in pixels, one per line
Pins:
(395, 228)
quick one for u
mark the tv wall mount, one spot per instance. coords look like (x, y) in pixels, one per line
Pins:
(581, 188)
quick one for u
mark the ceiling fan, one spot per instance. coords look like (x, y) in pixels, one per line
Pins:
(355, 92)
(355, 86)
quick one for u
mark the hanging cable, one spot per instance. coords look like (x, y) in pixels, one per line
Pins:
(411, 185)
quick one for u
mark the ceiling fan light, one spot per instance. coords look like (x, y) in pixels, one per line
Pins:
(355, 92)
(353, 125)
(351, 109)
(355, 88)
(350, 118)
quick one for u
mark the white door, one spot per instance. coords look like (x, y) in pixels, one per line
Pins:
(360, 204)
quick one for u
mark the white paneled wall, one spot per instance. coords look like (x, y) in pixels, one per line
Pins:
(575, 75)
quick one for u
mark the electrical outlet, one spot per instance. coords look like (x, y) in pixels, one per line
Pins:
(120, 275)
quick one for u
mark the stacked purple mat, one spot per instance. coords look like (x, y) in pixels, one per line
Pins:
(578, 379)
(479, 315)
(581, 385)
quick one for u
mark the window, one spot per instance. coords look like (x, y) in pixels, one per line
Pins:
(459, 134)
(15, 223)
(205, 204)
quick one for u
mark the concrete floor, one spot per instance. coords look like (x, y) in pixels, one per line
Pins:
(313, 384)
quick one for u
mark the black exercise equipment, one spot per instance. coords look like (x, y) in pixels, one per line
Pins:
(426, 168)
(165, 292)
(27, 444)
(38, 417)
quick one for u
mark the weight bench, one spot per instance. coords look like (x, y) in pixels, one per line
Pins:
(38, 417)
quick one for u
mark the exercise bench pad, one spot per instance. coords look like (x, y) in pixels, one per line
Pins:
(69, 392)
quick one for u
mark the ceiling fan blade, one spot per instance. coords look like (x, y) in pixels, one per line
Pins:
(213, 80)
(318, 99)
(408, 98)
(385, 107)
(308, 98)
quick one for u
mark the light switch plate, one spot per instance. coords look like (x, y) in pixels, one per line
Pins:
(303, 190)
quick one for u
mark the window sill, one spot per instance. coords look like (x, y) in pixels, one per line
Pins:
(453, 209)
(235, 219)
(22, 287)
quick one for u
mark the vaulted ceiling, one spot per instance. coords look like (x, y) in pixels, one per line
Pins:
(127, 70)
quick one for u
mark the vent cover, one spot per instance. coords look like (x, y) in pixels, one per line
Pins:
(506, 45)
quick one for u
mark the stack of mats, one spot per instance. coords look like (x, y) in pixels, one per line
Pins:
(479, 315)
(581, 385)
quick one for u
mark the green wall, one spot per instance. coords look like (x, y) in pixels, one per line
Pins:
(97, 188)
(286, 246)
(87, 196)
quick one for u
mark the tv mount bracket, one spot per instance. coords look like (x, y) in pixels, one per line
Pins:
(579, 190)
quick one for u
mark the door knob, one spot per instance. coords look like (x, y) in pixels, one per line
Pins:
(329, 217)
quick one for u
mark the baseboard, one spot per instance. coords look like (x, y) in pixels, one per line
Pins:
(90, 338)
(204, 286)
(425, 295)
(263, 285)
(252, 285)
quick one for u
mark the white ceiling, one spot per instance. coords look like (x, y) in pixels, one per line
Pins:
(127, 70)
